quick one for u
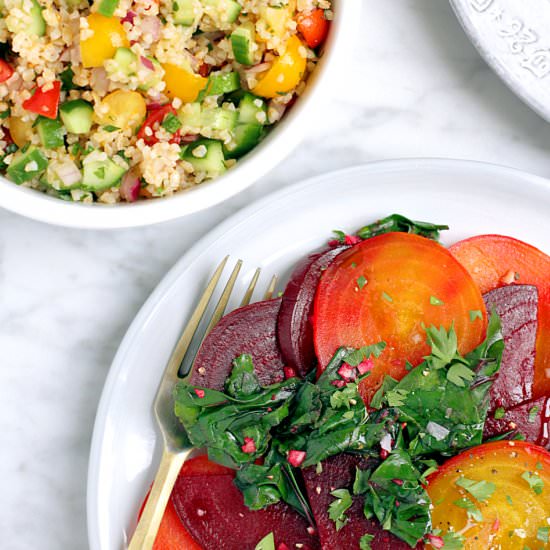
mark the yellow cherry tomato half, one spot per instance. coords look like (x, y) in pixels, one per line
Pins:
(182, 83)
(496, 495)
(123, 109)
(108, 35)
(286, 72)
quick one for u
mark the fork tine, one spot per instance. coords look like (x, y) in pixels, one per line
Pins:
(187, 335)
(250, 290)
(271, 288)
(224, 298)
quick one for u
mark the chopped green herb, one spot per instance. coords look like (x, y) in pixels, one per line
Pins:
(401, 224)
(535, 481)
(361, 282)
(111, 128)
(436, 301)
(361, 485)
(5, 114)
(75, 149)
(533, 414)
(364, 542)
(267, 543)
(460, 375)
(353, 265)
(509, 500)
(355, 357)
(338, 508)
(543, 534)
(499, 413)
(480, 490)
(387, 297)
(171, 123)
(538, 466)
(453, 541)
(475, 314)
(472, 510)
(66, 78)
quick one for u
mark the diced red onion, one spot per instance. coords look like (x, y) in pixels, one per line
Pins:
(189, 138)
(68, 173)
(130, 186)
(260, 68)
(129, 17)
(147, 63)
(151, 25)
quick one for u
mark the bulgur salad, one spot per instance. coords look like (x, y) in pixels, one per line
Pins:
(122, 100)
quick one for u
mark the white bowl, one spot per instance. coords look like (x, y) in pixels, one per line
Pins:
(280, 142)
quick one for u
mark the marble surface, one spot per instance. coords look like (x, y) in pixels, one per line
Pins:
(67, 296)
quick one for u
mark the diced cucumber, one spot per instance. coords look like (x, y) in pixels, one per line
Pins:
(206, 155)
(107, 7)
(101, 174)
(227, 10)
(190, 115)
(223, 83)
(252, 110)
(51, 132)
(77, 116)
(153, 77)
(26, 165)
(246, 137)
(184, 12)
(124, 61)
(242, 42)
(37, 25)
(219, 119)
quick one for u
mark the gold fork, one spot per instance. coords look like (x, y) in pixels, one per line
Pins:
(176, 446)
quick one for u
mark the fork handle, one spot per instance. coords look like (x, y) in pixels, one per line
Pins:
(146, 531)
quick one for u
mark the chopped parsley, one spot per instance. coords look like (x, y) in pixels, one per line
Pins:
(499, 413)
(460, 375)
(355, 357)
(361, 282)
(387, 297)
(471, 509)
(509, 500)
(533, 414)
(534, 480)
(111, 128)
(364, 542)
(338, 508)
(436, 301)
(171, 123)
(480, 490)
(5, 114)
(543, 534)
(475, 314)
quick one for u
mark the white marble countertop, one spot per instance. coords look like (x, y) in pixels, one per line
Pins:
(67, 296)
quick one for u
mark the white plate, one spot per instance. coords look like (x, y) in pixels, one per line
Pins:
(333, 69)
(514, 38)
(273, 233)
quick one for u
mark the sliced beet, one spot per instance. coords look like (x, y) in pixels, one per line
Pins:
(212, 510)
(251, 329)
(294, 328)
(517, 307)
(531, 419)
(339, 472)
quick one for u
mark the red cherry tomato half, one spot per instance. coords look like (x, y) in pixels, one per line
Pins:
(45, 102)
(154, 119)
(5, 70)
(313, 26)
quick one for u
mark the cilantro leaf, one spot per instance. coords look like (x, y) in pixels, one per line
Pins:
(499, 413)
(453, 541)
(355, 357)
(472, 510)
(460, 375)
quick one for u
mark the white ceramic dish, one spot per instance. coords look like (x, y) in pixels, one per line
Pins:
(273, 233)
(281, 141)
(513, 37)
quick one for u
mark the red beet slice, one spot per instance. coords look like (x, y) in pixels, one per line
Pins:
(531, 419)
(212, 510)
(251, 329)
(294, 329)
(517, 306)
(339, 472)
